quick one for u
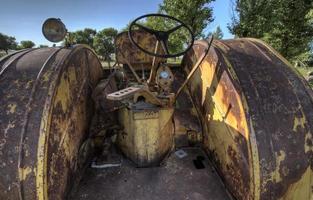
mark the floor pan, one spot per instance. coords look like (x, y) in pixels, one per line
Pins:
(177, 179)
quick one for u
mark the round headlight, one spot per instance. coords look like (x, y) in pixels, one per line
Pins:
(54, 30)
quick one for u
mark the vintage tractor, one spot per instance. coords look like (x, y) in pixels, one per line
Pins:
(233, 120)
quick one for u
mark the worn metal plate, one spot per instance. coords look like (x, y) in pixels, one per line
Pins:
(147, 135)
(135, 56)
(148, 114)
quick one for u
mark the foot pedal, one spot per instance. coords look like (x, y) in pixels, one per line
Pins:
(123, 94)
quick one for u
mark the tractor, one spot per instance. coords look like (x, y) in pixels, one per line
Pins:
(232, 120)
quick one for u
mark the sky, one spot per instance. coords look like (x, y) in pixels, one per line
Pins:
(23, 18)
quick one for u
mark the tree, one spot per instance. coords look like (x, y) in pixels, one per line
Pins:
(126, 28)
(43, 46)
(104, 43)
(197, 14)
(85, 36)
(26, 44)
(7, 42)
(217, 34)
(287, 25)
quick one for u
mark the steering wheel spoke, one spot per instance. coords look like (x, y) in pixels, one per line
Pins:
(161, 36)
(165, 46)
(174, 29)
(146, 28)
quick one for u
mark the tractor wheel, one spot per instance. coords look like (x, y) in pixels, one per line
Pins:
(46, 107)
(257, 116)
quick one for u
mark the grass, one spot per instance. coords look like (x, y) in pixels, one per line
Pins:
(2, 53)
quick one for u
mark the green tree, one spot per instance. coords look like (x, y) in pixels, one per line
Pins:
(176, 40)
(126, 28)
(7, 42)
(26, 44)
(43, 46)
(287, 25)
(217, 34)
(104, 43)
(197, 14)
(85, 36)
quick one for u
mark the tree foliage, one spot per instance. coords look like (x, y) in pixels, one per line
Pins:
(104, 42)
(26, 44)
(7, 42)
(217, 34)
(43, 46)
(85, 36)
(197, 14)
(176, 39)
(287, 25)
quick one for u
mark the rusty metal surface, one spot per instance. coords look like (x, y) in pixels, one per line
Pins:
(6, 57)
(257, 116)
(46, 106)
(147, 135)
(186, 115)
(135, 56)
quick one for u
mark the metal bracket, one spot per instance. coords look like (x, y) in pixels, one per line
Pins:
(123, 94)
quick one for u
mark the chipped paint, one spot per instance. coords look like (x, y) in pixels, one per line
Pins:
(308, 143)
(11, 108)
(277, 175)
(24, 172)
(301, 189)
(299, 122)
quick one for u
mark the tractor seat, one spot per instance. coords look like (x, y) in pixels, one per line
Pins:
(127, 52)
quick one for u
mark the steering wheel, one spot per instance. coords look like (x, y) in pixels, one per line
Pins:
(161, 36)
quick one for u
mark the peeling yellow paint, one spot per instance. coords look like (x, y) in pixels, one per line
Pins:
(24, 172)
(72, 74)
(10, 125)
(299, 121)
(11, 108)
(221, 122)
(275, 175)
(62, 95)
(28, 84)
(41, 169)
(307, 148)
(225, 120)
(144, 144)
(207, 69)
(255, 167)
(46, 76)
(302, 189)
